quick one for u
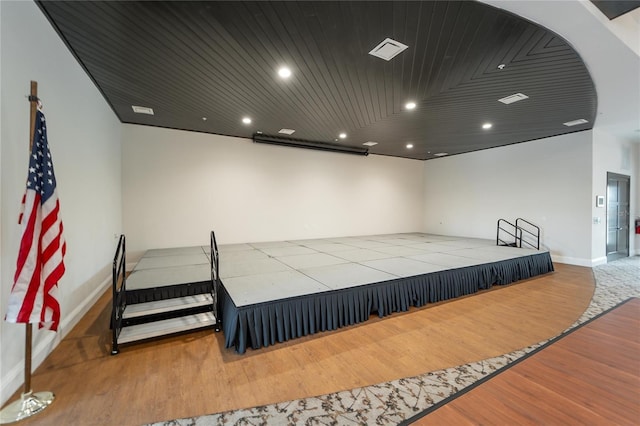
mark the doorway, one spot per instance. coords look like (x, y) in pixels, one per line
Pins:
(617, 216)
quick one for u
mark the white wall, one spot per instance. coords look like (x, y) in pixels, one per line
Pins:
(547, 182)
(635, 197)
(177, 186)
(85, 139)
(611, 154)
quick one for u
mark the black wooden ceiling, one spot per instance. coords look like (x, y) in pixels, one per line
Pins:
(188, 60)
(614, 8)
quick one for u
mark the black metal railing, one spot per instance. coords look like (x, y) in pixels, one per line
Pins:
(521, 233)
(507, 234)
(528, 233)
(119, 288)
(215, 280)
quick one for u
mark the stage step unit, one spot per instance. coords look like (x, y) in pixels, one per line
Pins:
(181, 324)
(147, 309)
(169, 312)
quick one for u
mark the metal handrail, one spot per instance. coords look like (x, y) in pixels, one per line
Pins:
(119, 302)
(535, 235)
(514, 234)
(215, 278)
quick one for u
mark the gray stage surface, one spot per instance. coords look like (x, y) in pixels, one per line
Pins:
(264, 284)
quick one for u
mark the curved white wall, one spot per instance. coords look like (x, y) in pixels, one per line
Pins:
(547, 182)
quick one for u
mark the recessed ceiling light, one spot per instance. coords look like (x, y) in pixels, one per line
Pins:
(440, 154)
(410, 105)
(284, 72)
(370, 143)
(501, 66)
(575, 122)
(286, 131)
(204, 118)
(409, 145)
(246, 120)
(258, 132)
(388, 49)
(342, 135)
(142, 110)
(487, 126)
(513, 98)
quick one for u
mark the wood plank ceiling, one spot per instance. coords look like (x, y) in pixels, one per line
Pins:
(188, 60)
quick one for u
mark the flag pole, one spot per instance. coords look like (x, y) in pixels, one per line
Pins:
(29, 403)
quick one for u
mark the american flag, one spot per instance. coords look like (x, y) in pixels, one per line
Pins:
(40, 262)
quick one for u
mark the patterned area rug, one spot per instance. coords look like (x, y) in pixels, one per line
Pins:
(392, 402)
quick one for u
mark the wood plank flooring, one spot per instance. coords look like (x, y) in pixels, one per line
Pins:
(193, 374)
(589, 377)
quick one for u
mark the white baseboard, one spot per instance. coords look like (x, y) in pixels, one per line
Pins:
(14, 378)
(599, 261)
(590, 263)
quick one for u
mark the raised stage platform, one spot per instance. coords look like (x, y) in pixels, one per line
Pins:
(275, 291)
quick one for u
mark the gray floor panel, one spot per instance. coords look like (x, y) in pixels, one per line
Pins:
(287, 251)
(399, 250)
(226, 248)
(487, 255)
(403, 241)
(382, 238)
(271, 244)
(148, 278)
(367, 244)
(346, 275)
(311, 260)
(253, 267)
(446, 259)
(309, 242)
(273, 286)
(464, 243)
(168, 261)
(403, 267)
(329, 247)
(360, 255)
(345, 240)
(434, 247)
(514, 250)
(173, 251)
(242, 256)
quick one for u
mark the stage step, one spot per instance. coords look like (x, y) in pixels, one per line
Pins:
(139, 310)
(169, 326)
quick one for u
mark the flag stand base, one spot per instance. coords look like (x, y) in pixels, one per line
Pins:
(29, 404)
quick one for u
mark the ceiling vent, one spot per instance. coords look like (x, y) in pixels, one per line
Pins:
(575, 122)
(513, 98)
(299, 143)
(388, 49)
(142, 110)
(286, 131)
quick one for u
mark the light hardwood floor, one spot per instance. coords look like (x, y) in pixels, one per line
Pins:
(589, 377)
(193, 374)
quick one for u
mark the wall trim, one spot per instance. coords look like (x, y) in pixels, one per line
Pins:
(14, 378)
(578, 261)
(599, 261)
